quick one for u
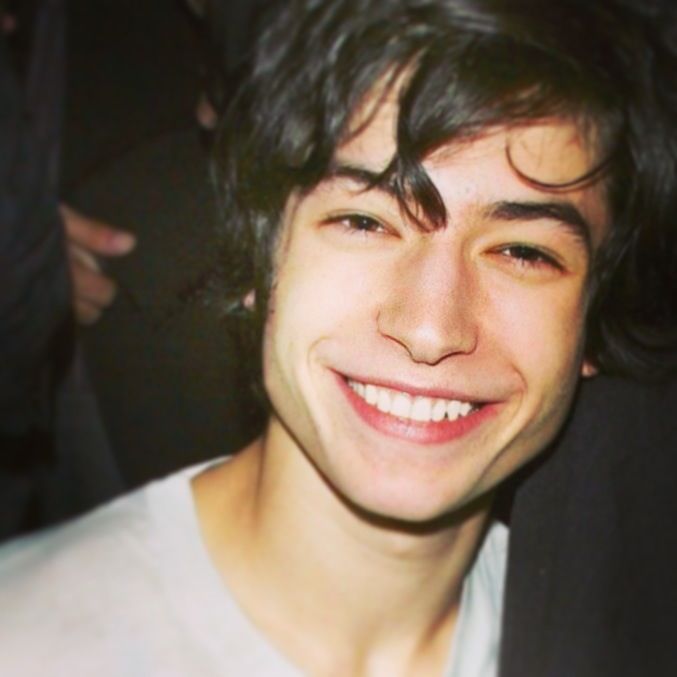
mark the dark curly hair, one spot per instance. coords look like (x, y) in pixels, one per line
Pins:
(609, 65)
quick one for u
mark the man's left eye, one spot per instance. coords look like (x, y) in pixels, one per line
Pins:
(529, 257)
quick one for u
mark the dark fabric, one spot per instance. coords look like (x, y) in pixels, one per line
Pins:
(233, 26)
(34, 281)
(230, 30)
(592, 575)
(35, 322)
(54, 457)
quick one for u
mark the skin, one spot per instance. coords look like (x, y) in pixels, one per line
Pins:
(327, 512)
(87, 240)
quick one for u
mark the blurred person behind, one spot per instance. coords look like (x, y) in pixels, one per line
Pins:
(54, 456)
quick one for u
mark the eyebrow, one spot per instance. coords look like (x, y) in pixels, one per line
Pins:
(554, 210)
(368, 178)
(562, 211)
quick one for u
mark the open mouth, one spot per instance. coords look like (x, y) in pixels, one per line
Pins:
(414, 408)
(419, 418)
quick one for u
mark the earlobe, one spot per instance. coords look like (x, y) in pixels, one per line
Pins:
(249, 300)
(588, 369)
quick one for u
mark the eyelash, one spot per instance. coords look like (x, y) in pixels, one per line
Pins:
(526, 256)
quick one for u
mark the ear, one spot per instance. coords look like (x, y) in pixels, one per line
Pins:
(588, 369)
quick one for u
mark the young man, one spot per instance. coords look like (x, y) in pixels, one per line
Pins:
(434, 210)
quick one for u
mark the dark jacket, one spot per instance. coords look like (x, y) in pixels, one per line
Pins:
(35, 315)
(592, 575)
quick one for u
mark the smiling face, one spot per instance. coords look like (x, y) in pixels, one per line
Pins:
(416, 368)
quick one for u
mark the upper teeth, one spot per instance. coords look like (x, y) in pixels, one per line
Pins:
(401, 404)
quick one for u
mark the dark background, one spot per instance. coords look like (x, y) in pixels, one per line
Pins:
(160, 358)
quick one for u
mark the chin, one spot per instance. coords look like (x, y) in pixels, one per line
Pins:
(406, 500)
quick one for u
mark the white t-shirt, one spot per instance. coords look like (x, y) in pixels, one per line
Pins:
(130, 591)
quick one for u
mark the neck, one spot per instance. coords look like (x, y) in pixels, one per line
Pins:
(289, 547)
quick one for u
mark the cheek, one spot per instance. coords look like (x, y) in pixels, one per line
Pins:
(319, 297)
(321, 292)
(542, 331)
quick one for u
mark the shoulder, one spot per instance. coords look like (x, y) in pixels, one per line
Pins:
(57, 551)
(51, 566)
(89, 580)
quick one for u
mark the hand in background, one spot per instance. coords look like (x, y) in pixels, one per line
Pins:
(87, 239)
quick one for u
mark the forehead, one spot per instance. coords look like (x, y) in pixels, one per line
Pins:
(557, 149)
(534, 158)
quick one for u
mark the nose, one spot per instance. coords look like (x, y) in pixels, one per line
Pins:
(431, 305)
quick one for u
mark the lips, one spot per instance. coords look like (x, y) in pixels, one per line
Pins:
(420, 418)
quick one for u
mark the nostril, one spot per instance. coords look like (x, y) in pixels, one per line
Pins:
(426, 338)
